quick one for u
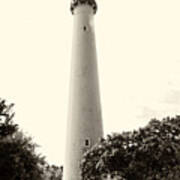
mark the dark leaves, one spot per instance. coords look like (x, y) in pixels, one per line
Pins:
(152, 152)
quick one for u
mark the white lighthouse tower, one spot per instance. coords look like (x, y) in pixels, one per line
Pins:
(84, 126)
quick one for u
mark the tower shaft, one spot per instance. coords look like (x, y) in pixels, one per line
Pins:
(84, 126)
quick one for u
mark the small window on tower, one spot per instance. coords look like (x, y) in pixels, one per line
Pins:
(87, 142)
(85, 28)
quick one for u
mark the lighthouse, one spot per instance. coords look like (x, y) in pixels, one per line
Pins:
(84, 124)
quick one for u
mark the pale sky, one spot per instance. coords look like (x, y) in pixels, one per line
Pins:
(138, 44)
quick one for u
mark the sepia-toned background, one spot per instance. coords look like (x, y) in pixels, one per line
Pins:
(138, 44)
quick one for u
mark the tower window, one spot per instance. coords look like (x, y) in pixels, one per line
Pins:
(87, 142)
(84, 28)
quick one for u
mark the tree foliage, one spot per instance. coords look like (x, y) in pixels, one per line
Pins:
(150, 153)
(18, 158)
(52, 172)
(7, 127)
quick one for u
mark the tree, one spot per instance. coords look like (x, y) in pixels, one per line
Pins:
(150, 153)
(7, 127)
(18, 160)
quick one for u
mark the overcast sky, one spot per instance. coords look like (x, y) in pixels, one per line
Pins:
(138, 44)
